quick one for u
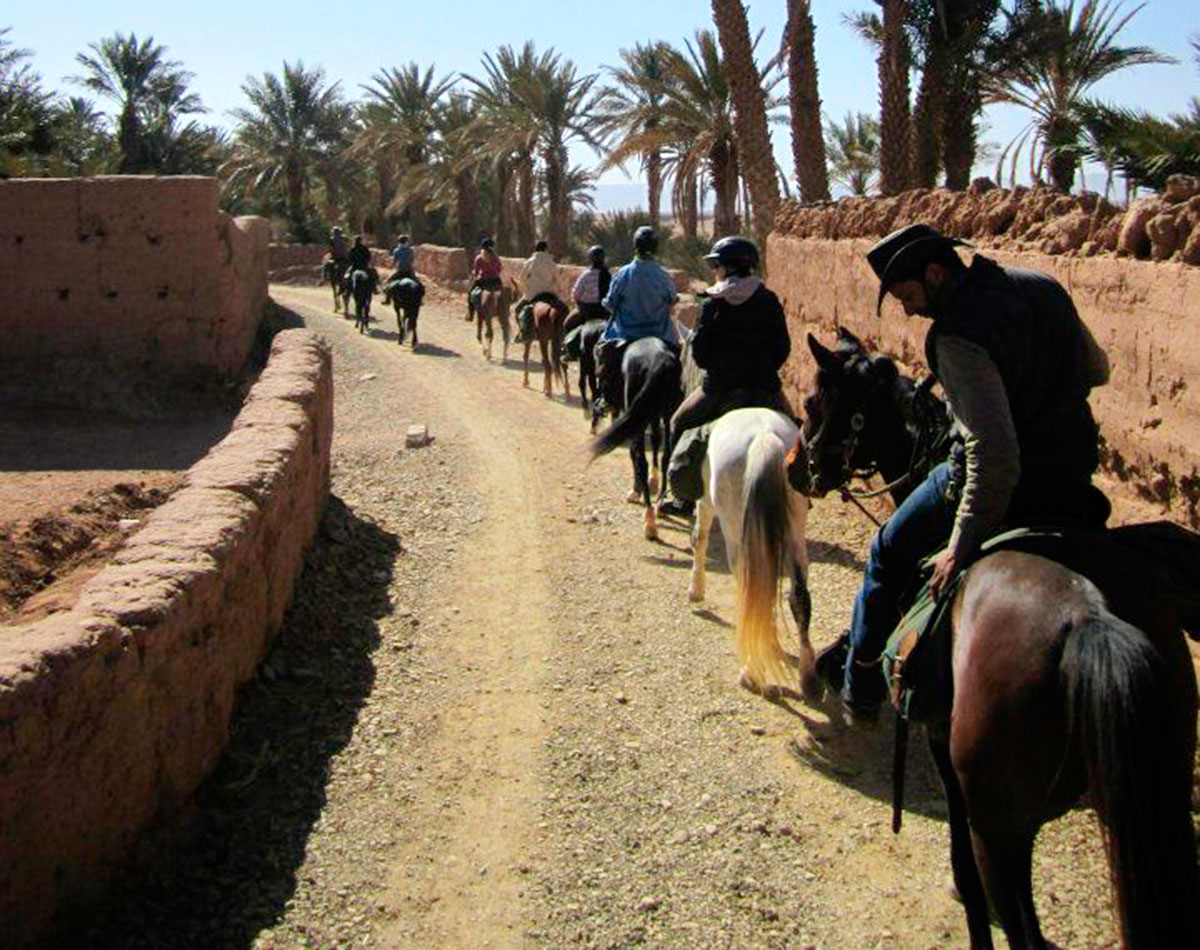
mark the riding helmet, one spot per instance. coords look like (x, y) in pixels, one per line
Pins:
(736, 254)
(595, 255)
(541, 246)
(645, 240)
(487, 244)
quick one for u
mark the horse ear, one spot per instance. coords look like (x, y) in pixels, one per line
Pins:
(884, 368)
(849, 339)
(824, 357)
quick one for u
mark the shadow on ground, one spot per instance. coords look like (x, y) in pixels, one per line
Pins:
(226, 872)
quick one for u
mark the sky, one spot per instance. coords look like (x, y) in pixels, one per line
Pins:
(222, 42)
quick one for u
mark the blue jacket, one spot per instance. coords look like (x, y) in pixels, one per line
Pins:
(638, 299)
(402, 257)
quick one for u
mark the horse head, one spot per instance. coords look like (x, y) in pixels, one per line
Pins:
(852, 412)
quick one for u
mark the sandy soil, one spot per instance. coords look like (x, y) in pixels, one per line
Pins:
(493, 720)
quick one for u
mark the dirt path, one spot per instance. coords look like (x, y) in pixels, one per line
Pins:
(493, 720)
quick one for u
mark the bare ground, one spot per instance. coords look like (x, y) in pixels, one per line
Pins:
(493, 720)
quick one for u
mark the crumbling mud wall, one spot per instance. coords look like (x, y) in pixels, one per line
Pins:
(111, 713)
(131, 273)
(1144, 314)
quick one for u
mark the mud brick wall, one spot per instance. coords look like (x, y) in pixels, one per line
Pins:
(133, 272)
(1146, 316)
(112, 713)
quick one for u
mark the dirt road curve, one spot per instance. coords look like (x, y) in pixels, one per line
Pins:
(493, 720)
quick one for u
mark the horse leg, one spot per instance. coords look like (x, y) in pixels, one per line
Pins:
(655, 445)
(701, 530)
(528, 344)
(799, 600)
(962, 855)
(399, 323)
(412, 324)
(506, 330)
(547, 383)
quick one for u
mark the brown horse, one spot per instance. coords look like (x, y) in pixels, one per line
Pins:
(492, 304)
(1072, 681)
(547, 323)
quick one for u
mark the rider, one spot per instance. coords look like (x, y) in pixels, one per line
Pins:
(640, 300)
(1016, 364)
(589, 290)
(360, 255)
(337, 246)
(740, 341)
(538, 280)
(485, 272)
(402, 259)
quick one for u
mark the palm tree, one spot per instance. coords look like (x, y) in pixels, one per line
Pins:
(25, 110)
(81, 143)
(1049, 54)
(295, 122)
(543, 103)
(400, 119)
(853, 147)
(808, 145)
(139, 78)
(634, 106)
(750, 113)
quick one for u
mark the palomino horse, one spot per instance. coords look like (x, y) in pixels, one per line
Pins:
(763, 522)
(362, 289)
(492, 303)
(1072, 681)
(651, 373)
(332, 273)
(406, 296)
(547, 321)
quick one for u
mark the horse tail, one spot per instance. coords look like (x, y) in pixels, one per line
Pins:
(645, 406)
(765, 549)
(1119, 716)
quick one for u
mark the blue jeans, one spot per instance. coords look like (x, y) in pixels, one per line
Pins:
(919, 527)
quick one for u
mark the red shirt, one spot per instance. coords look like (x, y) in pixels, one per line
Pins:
(487, 265)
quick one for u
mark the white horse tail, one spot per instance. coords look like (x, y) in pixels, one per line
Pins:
(765, 551)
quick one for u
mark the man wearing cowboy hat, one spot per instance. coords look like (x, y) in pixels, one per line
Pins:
(1016, 364)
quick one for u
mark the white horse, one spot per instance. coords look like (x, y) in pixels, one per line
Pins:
(763, 522)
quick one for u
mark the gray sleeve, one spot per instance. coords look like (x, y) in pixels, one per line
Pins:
(993, 456)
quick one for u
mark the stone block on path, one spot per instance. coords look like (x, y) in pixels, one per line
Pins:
(417, 436)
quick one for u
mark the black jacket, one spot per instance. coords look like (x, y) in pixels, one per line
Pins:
(742, 347)
(360, 256)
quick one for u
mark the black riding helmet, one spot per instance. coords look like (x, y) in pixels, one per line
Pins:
(645, 240)
(738, 255)
(487, 244)
(595, 255)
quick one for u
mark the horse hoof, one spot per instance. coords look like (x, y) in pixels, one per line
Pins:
(634, 497)
(695, 594)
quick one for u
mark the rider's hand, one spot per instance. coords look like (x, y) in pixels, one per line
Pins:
(944, 565)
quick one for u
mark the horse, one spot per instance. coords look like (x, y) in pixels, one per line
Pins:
(332, 273)
(589, 335)
(362, 288)
(1071, 681)
(547, 326)
(763, 523)
(650, 369)
(492, 303)
(406, 296)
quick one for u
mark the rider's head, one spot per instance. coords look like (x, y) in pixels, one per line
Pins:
(358, 240)
(487, 244)
(541, 246)
(402, 239)
(645, 241)
(912, 264)
(595, 255)
(337, 230)
(737, 255)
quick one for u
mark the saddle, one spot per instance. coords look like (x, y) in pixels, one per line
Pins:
(685, 472)
(573, 341)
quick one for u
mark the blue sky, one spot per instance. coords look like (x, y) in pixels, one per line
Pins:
(222, 42)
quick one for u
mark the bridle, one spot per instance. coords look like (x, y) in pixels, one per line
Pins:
(920, 410)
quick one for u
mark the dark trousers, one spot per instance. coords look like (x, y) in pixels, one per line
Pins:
(586, 312)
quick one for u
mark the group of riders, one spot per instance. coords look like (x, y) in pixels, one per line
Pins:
(357, 256)
(1014, 359)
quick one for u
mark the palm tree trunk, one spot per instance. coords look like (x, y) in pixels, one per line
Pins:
(927, 123)
(131, 141)
(385, 180)
(691, 208)
(418, 219)
(893, 100)
(526, 226)
(501, 225)
(962, 107)
(724, 170)
(750, 111)
(654, 184)
(466, 208)
(295, 200)
(554, 161)
(808, 141)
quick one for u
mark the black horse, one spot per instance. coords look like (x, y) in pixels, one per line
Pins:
(333, 273)
(589, 336)
(651, 372)
(1071, 680)
(362, 288)
(405, 295)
